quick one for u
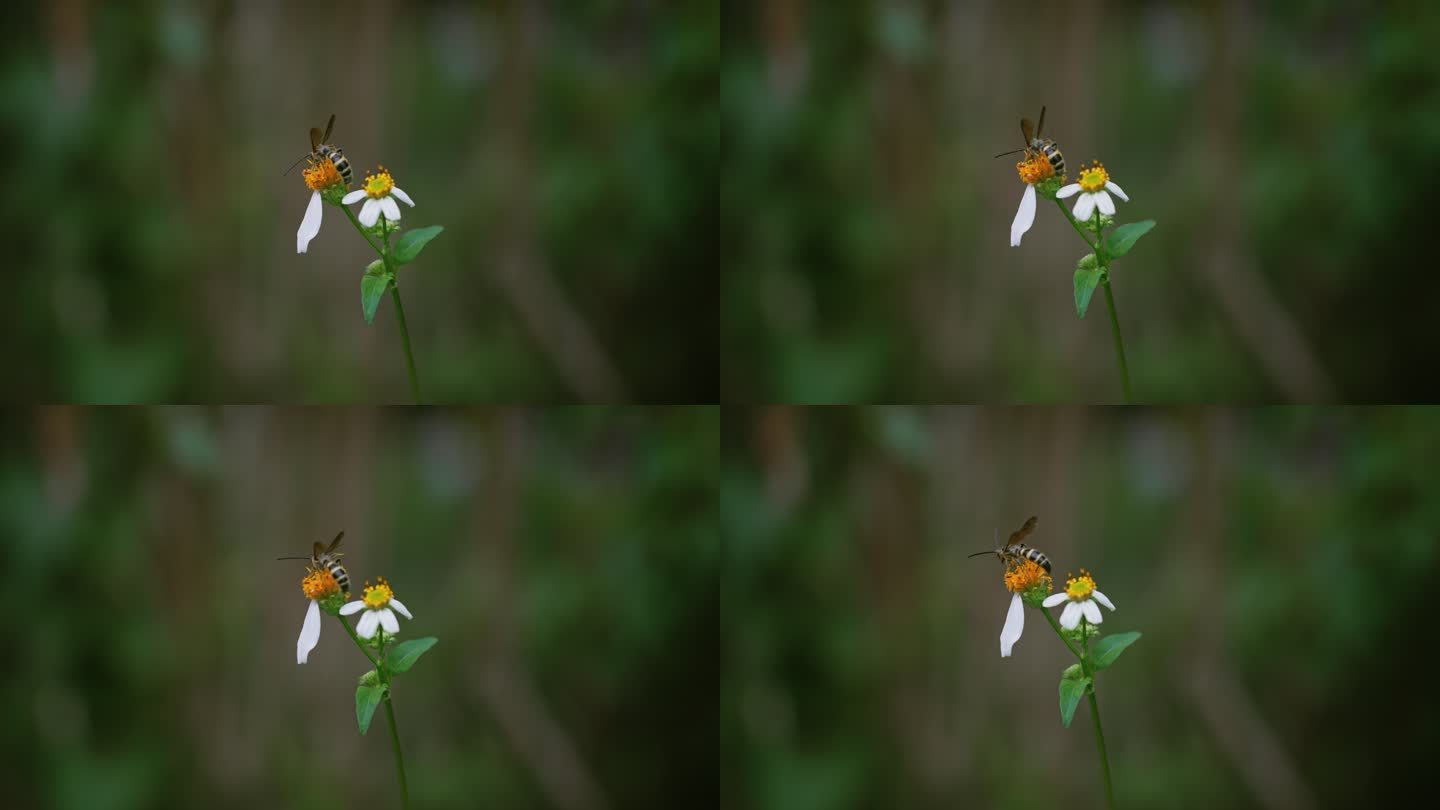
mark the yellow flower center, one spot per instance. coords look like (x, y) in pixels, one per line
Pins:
(322, 175)
(1079, 588)
(1025, 575)
(379, 185)
(1034, 168)
(1094, 177)
(378, 595)
(319, 584)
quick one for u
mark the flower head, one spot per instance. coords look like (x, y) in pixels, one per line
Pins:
(379, 192)
(1027, 582)
(1093, 188)
(318, 585)
(376, 602)
(1082, 595)
(319, 177)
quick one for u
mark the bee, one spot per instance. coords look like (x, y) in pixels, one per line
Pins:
(320, 150)
(1036, 144)
(326, 558)
(1015, 550)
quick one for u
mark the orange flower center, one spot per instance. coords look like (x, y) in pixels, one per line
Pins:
(319, 584)
(322, 175)
(1034, 168)
(1025, 575)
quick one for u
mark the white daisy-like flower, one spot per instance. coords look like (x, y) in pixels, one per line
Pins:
(1025, 577)
(1094, 187)
(381, 191)
(376, 603)
(1082, 596)
(318, 177)
(318, 584)
(1034, 168)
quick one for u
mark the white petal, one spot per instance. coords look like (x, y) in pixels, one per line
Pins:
(1099, 597)
(309, 633)
(353, 197)
(395, 603)
(1110, 184)
(1068, 191)
(392, 624)
(1107, 205)
(369, 212)
(1024, 217)
(367, 624)
(1014, 626)
(1084, 206)
(352, 607)
(1070, 616)
(392, 211)
(1055, 598)
(405, 198)
(1092, 611)
(310, 225)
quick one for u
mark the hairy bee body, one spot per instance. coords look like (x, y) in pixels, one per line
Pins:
(1020, 551)
(342, 165)
(325, 561)
(1046, 147)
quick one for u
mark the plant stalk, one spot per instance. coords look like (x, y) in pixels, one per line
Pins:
(1102, 257)
(1085, 665)
(383, 250)
(384, 674)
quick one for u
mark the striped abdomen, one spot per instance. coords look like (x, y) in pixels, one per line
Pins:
(342, 577)
(1032, 554)
(342, 165)
(1052, 154)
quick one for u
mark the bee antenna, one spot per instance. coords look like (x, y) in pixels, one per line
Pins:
(293, 165)
(978, 554)
(292, 558)
(1011, 152)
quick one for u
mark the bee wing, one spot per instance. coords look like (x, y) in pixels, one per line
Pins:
(315, 139)
(335, 542)
(1040, 127)
(1027, 128)
(316, 550)
(1024, 531)
(331, 126)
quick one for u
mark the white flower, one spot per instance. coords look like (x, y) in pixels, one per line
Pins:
(1081, 593)
(318, 584)
(309, 634)
(1024, 217)
(382, 191)
(1014, 625)
(319, 176)
(376, 603)
(1095, 183)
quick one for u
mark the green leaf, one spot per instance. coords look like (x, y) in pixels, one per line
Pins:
(1071, 691)
(366, 699)
(1126, 236)
(412, 242)
(406, 653)
(1085, 281)
(1109, 648)
(372, 289)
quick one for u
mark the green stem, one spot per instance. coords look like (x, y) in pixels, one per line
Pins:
(1115, 331)
(1056, 626)
(383, 672)
(384, 250)
(1098, 248)
(1099, 732)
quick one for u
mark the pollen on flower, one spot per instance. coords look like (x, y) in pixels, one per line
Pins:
(379, 185)
(377, 595)
(1035, 168)
(319, 584)
(1025, 575)
(1093, 177)
(1079, 588)
(322, 175)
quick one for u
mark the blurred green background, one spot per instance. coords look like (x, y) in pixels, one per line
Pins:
(1288, 151)
(565, 559)
(1281, 564)
(566, 148)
